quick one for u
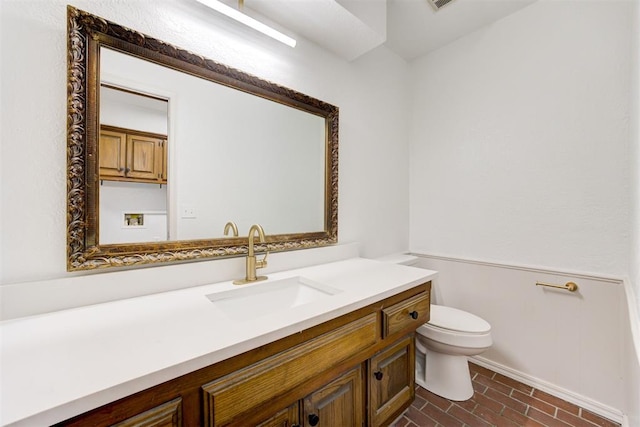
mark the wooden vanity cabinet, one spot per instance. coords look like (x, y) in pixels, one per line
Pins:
(392, 381)
(166, 415)
(339, 403)
(240, 395)
(134, 156)
(354, 370)
(288, 417)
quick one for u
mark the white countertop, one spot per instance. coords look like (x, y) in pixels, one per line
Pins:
(58, 365)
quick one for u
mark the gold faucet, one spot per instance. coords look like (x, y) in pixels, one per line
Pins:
(231, 226)
(252, 263)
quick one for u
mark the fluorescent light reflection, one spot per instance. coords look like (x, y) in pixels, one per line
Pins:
(248, 21)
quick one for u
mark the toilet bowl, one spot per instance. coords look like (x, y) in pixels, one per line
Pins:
(443, 345)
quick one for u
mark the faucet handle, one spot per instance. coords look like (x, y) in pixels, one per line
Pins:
(231, 226)
(262, 263)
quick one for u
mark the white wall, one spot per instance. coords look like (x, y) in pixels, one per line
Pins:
(520, 148)
(370, 202)
(634, 154)
(129, 111)
(369, 92)
(568, 344)
(117, 198)
(229, 159)
(519, 143)
(633, 352)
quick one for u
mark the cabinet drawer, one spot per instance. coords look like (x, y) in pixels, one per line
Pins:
(229, 397)
(406, 315)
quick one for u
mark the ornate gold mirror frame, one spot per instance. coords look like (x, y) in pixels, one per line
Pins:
(86, 34)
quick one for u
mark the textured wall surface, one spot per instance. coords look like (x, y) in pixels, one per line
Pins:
(633, 352)
(517, 138)
(524, 150)
(520, 140)
(568, 344)
(368, 91)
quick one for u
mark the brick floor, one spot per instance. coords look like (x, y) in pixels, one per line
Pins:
(497, 401)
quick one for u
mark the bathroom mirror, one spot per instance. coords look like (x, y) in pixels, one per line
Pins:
(272, 159)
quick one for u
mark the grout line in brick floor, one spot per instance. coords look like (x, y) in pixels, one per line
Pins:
(503, 401)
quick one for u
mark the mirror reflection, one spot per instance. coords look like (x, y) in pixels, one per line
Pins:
(133, 167)
(165, 148)
(231, 156)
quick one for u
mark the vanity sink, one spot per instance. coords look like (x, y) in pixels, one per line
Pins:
(268, 297)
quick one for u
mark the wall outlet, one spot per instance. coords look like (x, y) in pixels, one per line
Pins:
(133, 219)
(188, 212)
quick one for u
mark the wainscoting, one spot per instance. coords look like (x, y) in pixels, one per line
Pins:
(572, 345)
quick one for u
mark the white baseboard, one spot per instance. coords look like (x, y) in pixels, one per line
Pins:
(562, 393)
(628, 409)
(625, 421)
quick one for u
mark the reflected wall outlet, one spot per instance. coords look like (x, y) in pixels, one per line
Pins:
(188, 212)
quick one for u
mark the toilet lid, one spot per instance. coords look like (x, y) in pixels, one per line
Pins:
(457, 320)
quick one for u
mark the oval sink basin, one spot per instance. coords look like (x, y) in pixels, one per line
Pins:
(267, 297)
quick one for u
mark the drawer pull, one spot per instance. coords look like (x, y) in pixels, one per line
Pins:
(414, 315)
(314, 419)
(378, 375)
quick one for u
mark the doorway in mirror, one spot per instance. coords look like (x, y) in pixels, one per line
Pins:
(133, 165)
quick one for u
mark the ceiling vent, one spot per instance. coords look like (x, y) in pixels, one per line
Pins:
(438, 4)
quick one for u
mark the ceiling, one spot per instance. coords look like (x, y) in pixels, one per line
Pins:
(415, 28)
(410, 28)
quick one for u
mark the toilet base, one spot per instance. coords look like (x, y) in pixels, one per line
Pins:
(446, 375)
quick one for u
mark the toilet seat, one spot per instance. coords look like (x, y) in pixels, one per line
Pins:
(456, 328)
(452, 319)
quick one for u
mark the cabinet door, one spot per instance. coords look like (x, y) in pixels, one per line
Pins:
(112, 153)
(391, 381)
(164, 157)
(288, 417)
(144, 157)
(240, 394)
(166, 415)
(339, 403)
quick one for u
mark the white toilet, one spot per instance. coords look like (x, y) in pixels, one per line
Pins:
(443, 345)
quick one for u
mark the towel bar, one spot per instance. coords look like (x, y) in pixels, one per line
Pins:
(569, 286)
